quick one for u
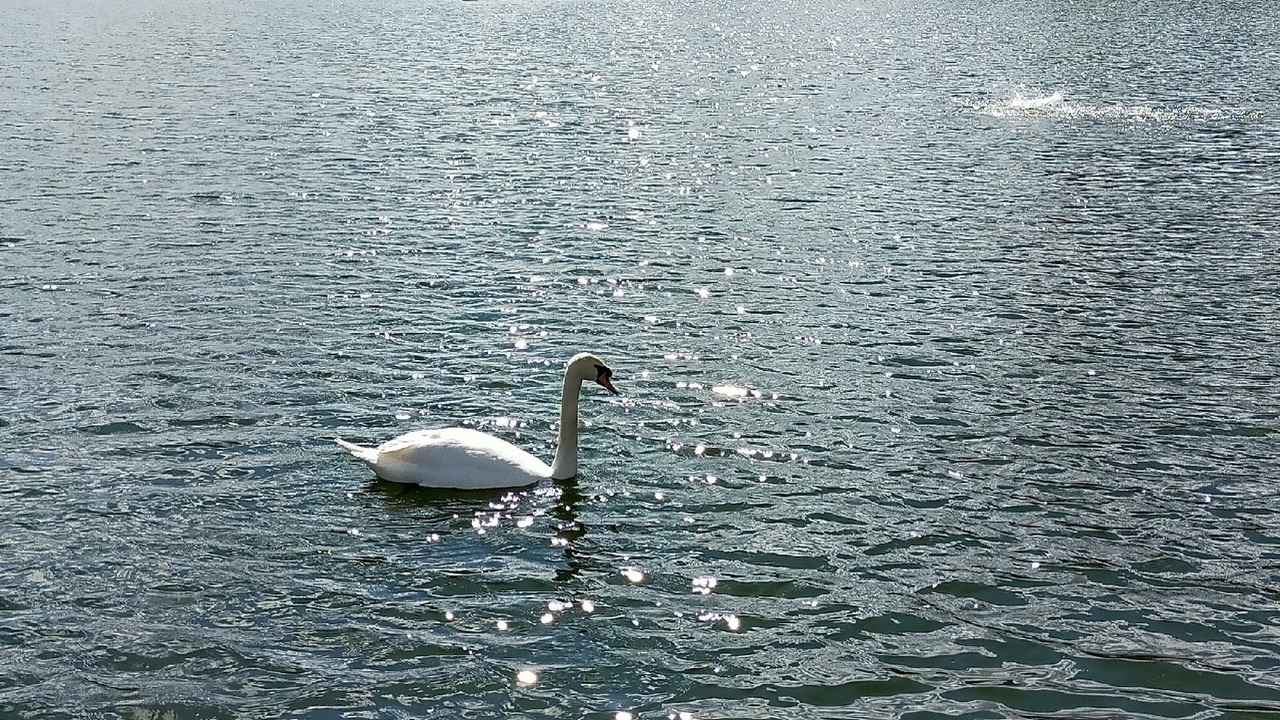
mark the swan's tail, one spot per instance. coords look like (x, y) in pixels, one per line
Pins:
(368, 455)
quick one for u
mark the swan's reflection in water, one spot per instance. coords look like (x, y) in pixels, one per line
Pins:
(490, 509)
(569, 529)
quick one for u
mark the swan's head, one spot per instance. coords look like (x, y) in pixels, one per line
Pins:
(586, 366)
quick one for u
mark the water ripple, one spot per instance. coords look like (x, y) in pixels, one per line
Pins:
(946, 336)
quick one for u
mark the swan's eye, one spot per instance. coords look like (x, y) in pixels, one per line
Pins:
(603, 372)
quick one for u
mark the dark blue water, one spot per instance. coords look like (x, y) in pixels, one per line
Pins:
(946, 333)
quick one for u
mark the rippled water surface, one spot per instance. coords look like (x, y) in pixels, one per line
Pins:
(947, 335)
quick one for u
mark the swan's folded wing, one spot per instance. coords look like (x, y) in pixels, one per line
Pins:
(457, 457)
(417, 440)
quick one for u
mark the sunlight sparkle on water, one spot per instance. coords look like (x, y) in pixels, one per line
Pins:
(731, 621)
(527, 677)
(632, 575)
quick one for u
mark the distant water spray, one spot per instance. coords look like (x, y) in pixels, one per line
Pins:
(1021, 105)
(1029, 105)
(1035, 103)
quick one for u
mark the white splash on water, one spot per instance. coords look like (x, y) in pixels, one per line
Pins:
(1035, 103)
(1030, 104)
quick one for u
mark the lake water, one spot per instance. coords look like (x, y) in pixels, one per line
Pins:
(947, 337)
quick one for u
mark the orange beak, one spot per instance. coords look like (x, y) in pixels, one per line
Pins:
(603, 381)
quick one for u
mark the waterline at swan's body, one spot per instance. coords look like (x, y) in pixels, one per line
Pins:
(462, 458)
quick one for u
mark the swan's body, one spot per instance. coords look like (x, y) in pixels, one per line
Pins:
(467, 459)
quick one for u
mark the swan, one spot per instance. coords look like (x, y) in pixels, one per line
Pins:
(466, 459)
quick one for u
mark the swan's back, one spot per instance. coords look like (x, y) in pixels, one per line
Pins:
(458, 458)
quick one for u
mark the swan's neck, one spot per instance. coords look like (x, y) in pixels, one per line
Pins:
(565, 465)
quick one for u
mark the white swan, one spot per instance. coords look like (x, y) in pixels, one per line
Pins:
(466, 459)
